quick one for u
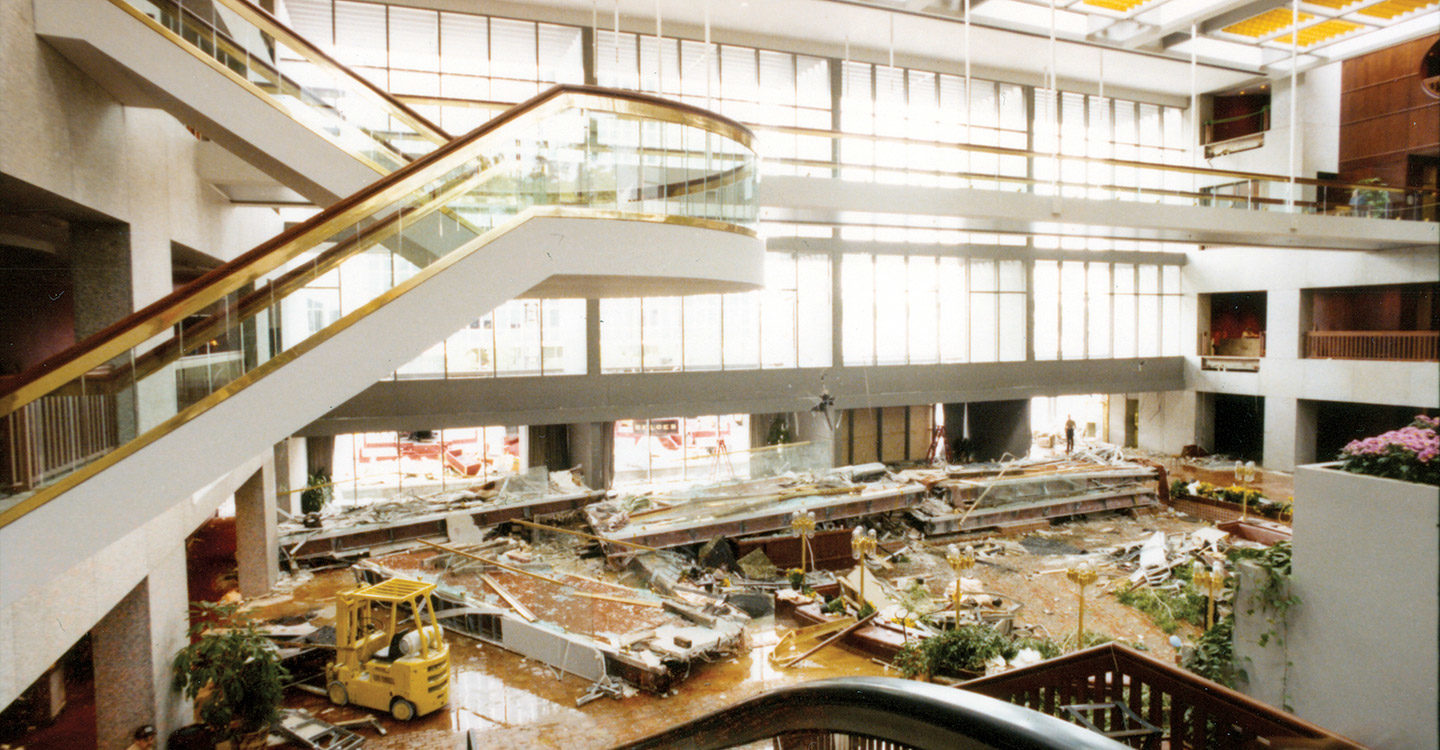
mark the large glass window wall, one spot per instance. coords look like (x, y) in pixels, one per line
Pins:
(751, 85)
(374, 466)
(521, 337)
(676, 449)
(1077, 127)
(1086, 310)
(442, 55)
(928, 309)
(916, 105)
(787, 324)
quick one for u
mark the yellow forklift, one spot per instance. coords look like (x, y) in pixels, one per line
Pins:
(390, 652)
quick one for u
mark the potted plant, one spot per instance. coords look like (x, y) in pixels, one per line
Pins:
(316, 494)
(233, 673)
(1366, 539)
(1370, 201)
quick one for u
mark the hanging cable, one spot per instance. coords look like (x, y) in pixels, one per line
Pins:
(1294, 66)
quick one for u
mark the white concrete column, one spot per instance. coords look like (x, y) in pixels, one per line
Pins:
(169, 598)
(256, 542)
(291, 464)
(1282, 324)
(592, 445)
(124, 680)
(1280, 433)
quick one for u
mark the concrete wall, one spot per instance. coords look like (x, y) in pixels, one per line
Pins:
(1362, 642)
(61, 132)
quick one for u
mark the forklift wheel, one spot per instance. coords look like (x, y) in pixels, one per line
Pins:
(402, 709)
(337, 692)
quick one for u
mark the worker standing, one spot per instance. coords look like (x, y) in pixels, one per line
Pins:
(1069, 433)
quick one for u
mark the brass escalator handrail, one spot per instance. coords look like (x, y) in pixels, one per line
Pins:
(160, 316)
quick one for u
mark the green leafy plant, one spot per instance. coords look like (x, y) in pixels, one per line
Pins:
(1214, 656)
(779, 433)
(316, 494)
(231, 671)
(1166, 608)
(835, 606)
(964, 651)
(1274, 598)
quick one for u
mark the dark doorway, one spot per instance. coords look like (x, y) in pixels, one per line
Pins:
(1240, 426)
(1339, 422)
(1132, 423)
(1237, 324)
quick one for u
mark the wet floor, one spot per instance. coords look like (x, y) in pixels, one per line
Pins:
(514, 702)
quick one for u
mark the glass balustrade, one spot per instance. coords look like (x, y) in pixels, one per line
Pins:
(922, 162)
(298, 78)
(573, 150)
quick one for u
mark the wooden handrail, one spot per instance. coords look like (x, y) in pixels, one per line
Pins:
(1112, 672)
(1403, 346)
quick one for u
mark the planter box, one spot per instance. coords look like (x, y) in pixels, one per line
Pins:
(1362, 641)
(1215, 511)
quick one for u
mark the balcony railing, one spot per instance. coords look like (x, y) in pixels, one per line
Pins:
(1395, 346)
(1193, 713)
(942, 163)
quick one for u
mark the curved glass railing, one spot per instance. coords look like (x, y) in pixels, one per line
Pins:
(262, 55)
(596, 151)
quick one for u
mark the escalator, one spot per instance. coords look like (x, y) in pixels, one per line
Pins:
(232, 72)
(579, 191)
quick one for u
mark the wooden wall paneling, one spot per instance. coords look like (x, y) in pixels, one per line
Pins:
(1384, 114)
(922, 428)
(864, 440)
(892, 433)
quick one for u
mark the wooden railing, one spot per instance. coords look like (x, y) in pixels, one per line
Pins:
(51, 436)
(1402, 346)
(1193, 712)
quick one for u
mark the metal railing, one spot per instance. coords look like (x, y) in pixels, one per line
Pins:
(1400, 346)
(572, 150)
(875, 713)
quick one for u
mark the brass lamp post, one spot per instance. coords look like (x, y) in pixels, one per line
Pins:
(863, 542)
(802, 522)
(1081, 575)
(1210, 581)
(960, 561)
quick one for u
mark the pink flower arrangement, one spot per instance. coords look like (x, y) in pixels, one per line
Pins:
(1408, 453)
